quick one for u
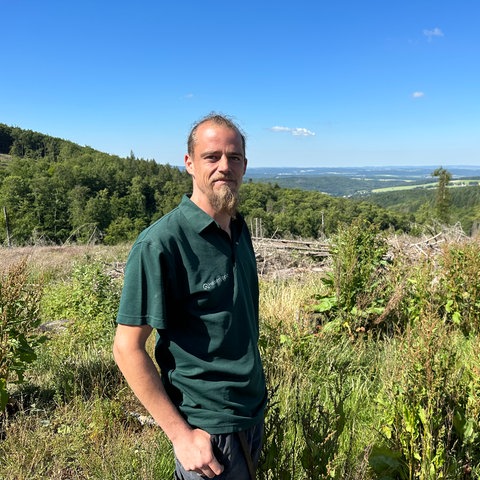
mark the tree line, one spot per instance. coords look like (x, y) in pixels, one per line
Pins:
(446, 204)
(53, 190)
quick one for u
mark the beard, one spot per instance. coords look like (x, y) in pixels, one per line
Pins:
(224, 200)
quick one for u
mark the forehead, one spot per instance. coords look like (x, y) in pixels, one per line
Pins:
(210, 134)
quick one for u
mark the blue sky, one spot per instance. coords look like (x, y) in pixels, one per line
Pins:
(312, 82)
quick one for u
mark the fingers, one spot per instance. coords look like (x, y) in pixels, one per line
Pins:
(215, 467)
(208, 472)
(211, 470)
(195, 454)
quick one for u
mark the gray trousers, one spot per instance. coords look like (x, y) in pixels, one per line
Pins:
(229, 453)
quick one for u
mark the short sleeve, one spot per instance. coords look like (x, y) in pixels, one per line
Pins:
(143, 295)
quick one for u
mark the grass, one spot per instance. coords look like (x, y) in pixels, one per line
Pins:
(56, 261)
(429, 185)
(398, 403)
(83, 439)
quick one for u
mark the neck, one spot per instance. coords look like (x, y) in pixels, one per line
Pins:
(225, 225)
(221, 217)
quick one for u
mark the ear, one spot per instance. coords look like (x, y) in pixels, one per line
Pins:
(245, 166)
(188, 164)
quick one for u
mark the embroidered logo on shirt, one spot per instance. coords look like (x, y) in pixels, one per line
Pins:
(215, 283)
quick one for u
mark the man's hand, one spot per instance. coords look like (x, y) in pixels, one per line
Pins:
(194, 451)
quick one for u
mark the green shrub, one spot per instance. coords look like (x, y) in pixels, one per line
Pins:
(19, 319)
(87, 304)
(357, 287)
(77, 360)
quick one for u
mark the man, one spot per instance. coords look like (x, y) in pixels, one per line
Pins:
(192, 277)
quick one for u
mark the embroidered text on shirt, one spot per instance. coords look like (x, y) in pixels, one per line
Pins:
(216, 282)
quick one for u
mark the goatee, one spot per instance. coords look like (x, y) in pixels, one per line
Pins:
(224, 200)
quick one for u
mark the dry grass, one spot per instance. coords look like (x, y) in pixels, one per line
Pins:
(59, 259)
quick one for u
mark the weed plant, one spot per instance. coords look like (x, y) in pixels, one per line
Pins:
(460, 286)
(428, 405)
(357, 289)
(19, 300)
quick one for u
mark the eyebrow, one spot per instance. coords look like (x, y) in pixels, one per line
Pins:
(218, 152)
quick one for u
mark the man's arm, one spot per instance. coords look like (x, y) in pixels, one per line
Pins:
(192, 447)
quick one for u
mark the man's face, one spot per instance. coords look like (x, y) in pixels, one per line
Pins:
(217, 167)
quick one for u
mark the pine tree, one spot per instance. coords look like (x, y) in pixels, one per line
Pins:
(443, 198)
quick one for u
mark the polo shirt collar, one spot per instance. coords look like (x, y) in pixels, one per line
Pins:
(196, 217)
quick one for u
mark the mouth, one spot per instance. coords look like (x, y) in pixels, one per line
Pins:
(225, 181)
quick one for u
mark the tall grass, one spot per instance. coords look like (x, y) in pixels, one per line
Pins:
(320, 387)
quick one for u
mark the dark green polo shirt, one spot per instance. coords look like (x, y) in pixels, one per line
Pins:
(198, 288)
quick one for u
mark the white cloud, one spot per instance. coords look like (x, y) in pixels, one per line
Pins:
(297, 132)
(302, 132)
(280, 129)
(188, 96)
(418, 94)
(436, 32)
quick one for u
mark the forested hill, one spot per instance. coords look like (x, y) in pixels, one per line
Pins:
(463, 205)
(53, 191)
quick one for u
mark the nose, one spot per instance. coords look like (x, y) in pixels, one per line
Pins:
(224, 164)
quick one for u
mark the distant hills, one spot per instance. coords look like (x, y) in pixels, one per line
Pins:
(357, 181)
